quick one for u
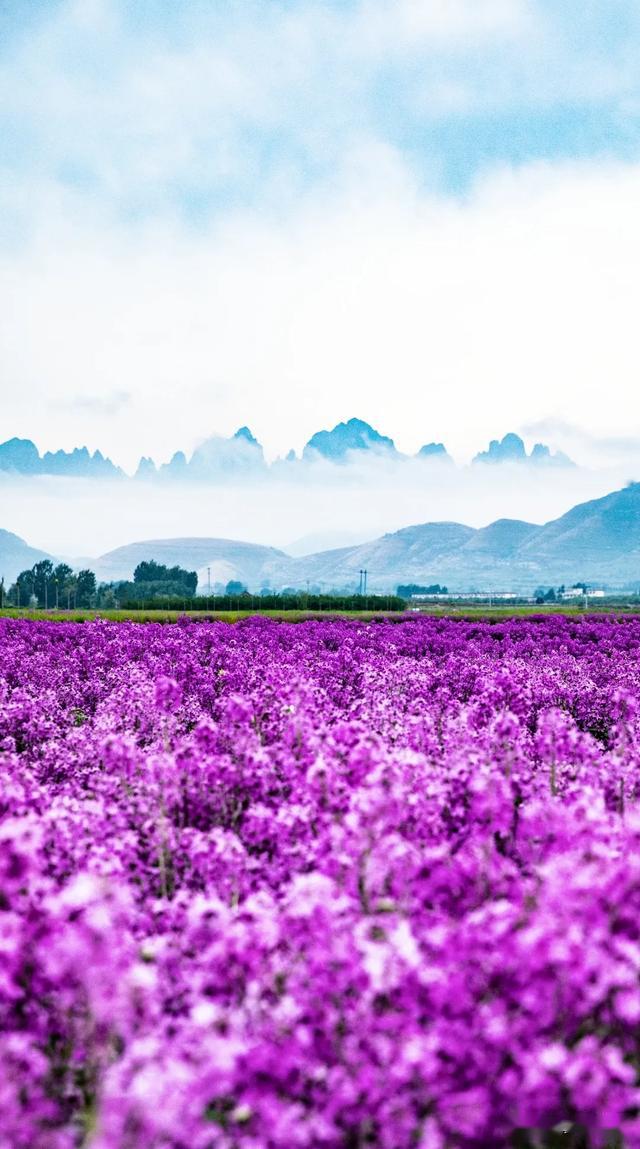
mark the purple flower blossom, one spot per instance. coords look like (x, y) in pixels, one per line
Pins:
(323, 885)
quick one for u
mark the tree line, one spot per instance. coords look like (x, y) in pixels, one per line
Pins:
(47, 585)
(51, 586)
(154, 585)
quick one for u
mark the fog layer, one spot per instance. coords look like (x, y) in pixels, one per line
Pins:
(329, 506)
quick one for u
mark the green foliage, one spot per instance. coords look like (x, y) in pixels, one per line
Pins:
(548, 594)
(409, 589)
(53, 587)
(235, 588)
(156, 574)
(86, 588)
(295, 600)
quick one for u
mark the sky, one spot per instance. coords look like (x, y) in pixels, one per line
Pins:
(423, 213)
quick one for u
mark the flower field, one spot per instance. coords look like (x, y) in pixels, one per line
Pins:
(326, 884)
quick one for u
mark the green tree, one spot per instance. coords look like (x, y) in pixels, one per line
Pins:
(235, 587)
(22, 589)
(86, 588)
(150, 571)
(107, 598)
(408, 589)
(42, 576)
(154, 579)
(63, 584)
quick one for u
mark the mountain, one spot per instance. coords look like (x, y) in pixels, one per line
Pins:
(22, 456)
(398, 557)
(241, 456)
(436, 451)
(15, 556)
(355, 435)
(227, 559)
(218, 457)
(78, 462)
(323, 541)
(597, 541)
(540, 453)
(500, 540)
(511, 449)
(176, 468)
(146, 468)
(600, 539)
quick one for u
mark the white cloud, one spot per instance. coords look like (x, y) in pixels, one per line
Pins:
(591, 449)
(432, 318)
(418, 24)
(197, 103)
(321, 276)
(89, 517)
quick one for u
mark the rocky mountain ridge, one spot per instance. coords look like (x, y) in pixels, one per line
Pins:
(241, 456)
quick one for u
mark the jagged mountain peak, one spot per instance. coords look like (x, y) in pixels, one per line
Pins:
(354, 435)
(511, 449)
(20, 455)
(23, 457)
(244, 434)
(434, 451)
(146, 468)
(217, 456)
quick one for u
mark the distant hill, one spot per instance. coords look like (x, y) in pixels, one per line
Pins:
(411, 550)
(226, 558)
(500, 540)
(597, 541)
(600, 538)
(16, 556)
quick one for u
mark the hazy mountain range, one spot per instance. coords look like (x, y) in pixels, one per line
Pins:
(597, 541)
(220, 459)
(22, 457)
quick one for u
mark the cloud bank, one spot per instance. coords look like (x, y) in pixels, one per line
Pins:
(281, 214)
(334, 505)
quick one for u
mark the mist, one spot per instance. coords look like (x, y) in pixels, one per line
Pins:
(319, 507)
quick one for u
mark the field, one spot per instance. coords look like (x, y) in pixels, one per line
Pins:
(452, 609)
(333, 884)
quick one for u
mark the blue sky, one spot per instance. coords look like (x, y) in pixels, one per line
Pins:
(226, 103)
(223, 156)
